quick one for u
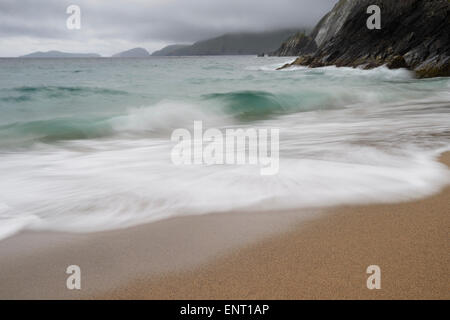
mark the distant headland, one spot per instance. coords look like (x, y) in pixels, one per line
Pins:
(59, 54)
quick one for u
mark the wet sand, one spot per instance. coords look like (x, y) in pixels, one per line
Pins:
(327, 259)
(244, 256)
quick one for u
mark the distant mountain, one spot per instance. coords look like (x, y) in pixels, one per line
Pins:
(167, 51)
(133, 53)
(236, 44)
(59, 54)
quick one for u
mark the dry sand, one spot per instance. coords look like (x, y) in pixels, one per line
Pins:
(196, 257)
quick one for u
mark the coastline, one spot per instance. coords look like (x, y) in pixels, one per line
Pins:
(247, 256)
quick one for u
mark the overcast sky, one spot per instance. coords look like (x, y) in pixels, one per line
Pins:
(110, 26)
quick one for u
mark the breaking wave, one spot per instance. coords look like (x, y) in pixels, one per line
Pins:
(82, 158)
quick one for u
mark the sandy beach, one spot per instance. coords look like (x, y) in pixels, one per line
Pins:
(244, 256)
(225, 150)
(327, 259)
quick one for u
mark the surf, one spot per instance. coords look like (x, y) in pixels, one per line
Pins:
(80, 157)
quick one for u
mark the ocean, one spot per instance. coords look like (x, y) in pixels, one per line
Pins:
(85, 144)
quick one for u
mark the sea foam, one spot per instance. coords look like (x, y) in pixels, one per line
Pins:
(347, 136)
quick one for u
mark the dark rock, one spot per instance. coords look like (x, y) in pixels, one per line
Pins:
(300, 61)
(414, 34)
(438, 66)
(397, 62)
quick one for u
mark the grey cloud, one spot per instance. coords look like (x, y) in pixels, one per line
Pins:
(162, 21)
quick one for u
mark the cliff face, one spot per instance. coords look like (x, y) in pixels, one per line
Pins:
(330, 25)
(327, 28)
(298, 44)
(414, 34)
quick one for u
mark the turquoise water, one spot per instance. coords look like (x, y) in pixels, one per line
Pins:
(85, 143)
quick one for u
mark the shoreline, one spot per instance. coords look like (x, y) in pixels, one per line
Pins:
(247, 256)
(327, 258)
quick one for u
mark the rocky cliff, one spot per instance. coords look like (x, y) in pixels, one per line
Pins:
(414, 34)
(299, 44)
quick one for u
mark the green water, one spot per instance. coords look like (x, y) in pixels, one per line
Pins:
(85, 143)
